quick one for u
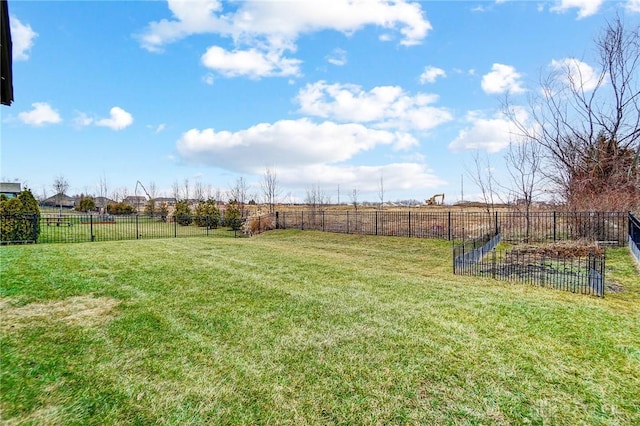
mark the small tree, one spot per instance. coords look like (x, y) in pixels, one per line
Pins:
(86, 204)
(60, 186)
(182, 214)
(232, 215)
(18, 220)
(150, 207)
(270, 188)
(207, 214)
(163, 212)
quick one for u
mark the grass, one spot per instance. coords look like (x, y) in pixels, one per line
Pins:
(295, 327)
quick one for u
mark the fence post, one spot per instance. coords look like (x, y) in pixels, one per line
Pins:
(449, 224)
(35, 228)
(493, 264)
(496, 222)
(554, 225)
(93, 237)
(302, 221)
(409, 223)
(347, 221)
(277, 218)
(137, 231)
(175, 227)
(376, 222)
(322, 220)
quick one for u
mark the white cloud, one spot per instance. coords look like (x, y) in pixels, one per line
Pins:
(287, 143)
(262, 31)
(251, 63)
(491, 134)
(118, 120)
(431, 74)
(633, 6)
(397, 177)
(502, 79)
(41, 114)
(208, 79)
(82, 120)
(338, 57)
(383, 106)
(585, 7)
(575, 72)
(22, 37)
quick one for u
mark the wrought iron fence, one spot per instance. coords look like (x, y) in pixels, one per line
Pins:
(610, 227)
(540, 226)
(81, 228)
(584, 275)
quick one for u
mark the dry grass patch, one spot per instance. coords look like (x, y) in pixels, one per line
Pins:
(86, 311)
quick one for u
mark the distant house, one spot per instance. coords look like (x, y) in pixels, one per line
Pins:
(103, 202)
(168, 200)
(135, 201)
(10, 189)
(60, 200)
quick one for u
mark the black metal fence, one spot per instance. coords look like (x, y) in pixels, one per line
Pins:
(81, 228)
(634, 236)
(609, 227)
(468, 253)
(584, 275)
(540, 226)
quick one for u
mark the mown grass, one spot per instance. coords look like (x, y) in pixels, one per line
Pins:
(295, 327)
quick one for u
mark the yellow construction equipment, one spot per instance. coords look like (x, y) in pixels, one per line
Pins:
(433, 201)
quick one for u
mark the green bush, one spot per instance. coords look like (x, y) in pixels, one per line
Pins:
(120, 209)
(86, 204)
(232, 216)
(182, 214)
(207, 214)
(20, 218)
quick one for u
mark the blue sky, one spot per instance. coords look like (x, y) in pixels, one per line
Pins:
(336, 95)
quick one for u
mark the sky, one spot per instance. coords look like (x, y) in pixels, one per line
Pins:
(385, 98)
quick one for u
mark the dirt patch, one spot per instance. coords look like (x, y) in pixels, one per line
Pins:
(84, 311)
(566, 249)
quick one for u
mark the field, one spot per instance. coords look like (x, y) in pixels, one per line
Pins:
(293, 327)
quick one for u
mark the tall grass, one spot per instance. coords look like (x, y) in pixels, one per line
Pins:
(305, 328)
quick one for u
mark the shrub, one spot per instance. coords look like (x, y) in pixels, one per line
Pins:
(18, 218)
(120, 209)
(182, 214)
(86, 204)
(232, 216)
(259, 224)
(207, 214)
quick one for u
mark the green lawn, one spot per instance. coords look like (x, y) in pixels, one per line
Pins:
(293, 327)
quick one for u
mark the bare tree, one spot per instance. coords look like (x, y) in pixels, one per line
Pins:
(524, 163)
(198, 191)
(175, 190)
(381, 190)
(103, 191)
(60, 186)
(588, 124)
(238, 192)
(354, 198)
(185, 189)
(482, 176)
(270, 189)
(316, 197)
